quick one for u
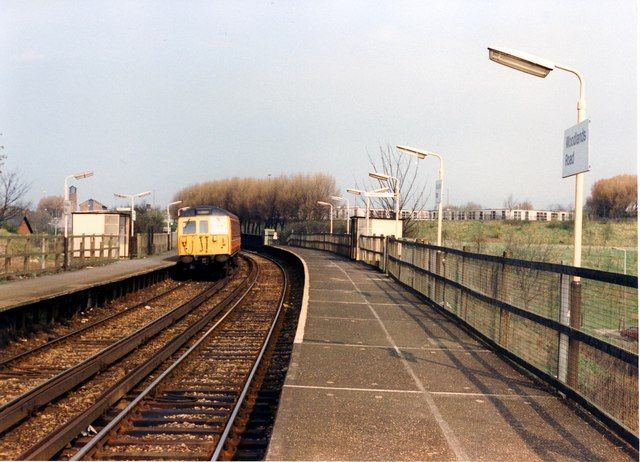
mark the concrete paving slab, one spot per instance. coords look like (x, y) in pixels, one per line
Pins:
(353, 425)
(348, 367)
(359, 331)
(526, 429)
(343, 310)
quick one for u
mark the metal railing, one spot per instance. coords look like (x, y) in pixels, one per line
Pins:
(580, 337)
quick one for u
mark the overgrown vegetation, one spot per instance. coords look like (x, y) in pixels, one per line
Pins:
(265, 202)
(614, 197)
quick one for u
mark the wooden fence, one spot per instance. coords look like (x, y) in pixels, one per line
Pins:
(35, 254)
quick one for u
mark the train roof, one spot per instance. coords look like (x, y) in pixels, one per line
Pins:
(200, 210)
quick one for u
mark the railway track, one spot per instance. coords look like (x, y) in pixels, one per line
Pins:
(188, 409)
(113, 365)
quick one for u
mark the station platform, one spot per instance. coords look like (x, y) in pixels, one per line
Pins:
(376, 374)
(14, 294)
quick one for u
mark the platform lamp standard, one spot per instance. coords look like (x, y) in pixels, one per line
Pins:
(131, 197)
(330, 205)
(396, 193)
(169, 220)
(421, 155)
(346, 202)
(541, 67)
(67, 204)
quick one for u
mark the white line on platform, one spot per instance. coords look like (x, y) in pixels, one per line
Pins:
(447, 432)
(460, 350)
(419, 392)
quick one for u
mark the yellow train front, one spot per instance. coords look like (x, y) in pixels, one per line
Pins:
(208, 237)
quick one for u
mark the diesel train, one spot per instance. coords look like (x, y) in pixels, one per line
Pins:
(208, 238)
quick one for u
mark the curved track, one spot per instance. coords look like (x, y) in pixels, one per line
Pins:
(189, 409)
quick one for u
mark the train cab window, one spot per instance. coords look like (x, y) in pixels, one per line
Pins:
(204, 227)
(219, 225)
(189, 227)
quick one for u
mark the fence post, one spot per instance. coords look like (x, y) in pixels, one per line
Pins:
(575, 321)
(25, 259)
(438, 270)
(43, 253)
(7, 257)
(65, 251)
(563, 340)
(505, 315)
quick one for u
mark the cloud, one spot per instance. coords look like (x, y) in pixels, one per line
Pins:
(30, 56)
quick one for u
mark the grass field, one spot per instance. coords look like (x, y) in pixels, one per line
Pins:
(542, 241)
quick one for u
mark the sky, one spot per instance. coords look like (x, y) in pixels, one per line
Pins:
(161, 95)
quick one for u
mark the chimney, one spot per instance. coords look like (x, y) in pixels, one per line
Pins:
(73, 198)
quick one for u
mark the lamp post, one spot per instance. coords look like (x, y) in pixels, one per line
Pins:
(541, 67)
(421, 155)
(339, 198)
(131, 197)
(67, 205)
(330, 205)
(169, 215)
(571, 313)
(396, 192)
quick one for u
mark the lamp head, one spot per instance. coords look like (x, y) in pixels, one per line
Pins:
(324, 203)
(337, 198)
(379, 176)
(357, 192)
(124, 196)
(413, 151)
(521, 61)
(83, 175)
(142, 194)
(380, 190)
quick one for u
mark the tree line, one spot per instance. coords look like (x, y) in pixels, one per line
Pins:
(265, 202)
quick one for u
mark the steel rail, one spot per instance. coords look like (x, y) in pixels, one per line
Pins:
(48, 446)
(104, 432)
(227, 429)
(5, 362)
(21, 406)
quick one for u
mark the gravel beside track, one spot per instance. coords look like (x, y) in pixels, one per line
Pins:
(184, 415)
(83, 319)
(35, 429)
(31, 369)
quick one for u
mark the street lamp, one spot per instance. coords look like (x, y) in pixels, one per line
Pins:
(169, 215)
(339, 198)
(540, 67)
(131, 197)
(384, 177)
(422, 155)
(569, 349)
(330, 205)
(67, 204)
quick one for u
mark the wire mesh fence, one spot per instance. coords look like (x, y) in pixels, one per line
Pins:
(336, 243)
(576, 326)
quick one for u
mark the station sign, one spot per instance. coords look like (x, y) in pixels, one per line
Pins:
(575, 155)
(438, 192)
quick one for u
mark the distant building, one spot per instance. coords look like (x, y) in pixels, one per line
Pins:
(73, 198)
(92, 205)
(461, 215)
(24, 227)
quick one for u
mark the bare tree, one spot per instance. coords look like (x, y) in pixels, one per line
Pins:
(12, 191)
(403, 167)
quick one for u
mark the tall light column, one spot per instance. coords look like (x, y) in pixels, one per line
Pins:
(330, 214)
(169, 215)
(132, 197)
(571, 312)
(339, 198)
(421, 155)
